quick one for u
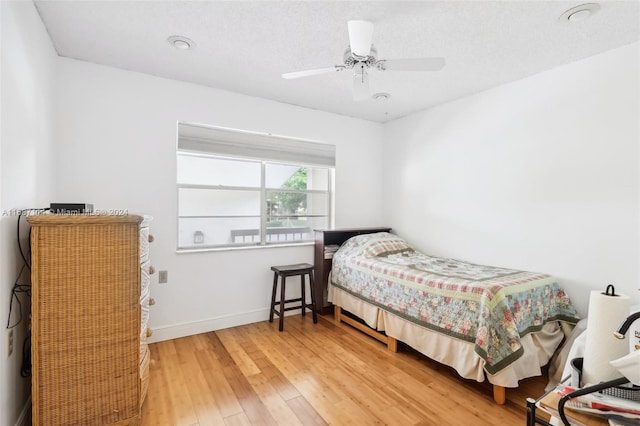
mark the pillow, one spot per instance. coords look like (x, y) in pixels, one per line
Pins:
(386, 244)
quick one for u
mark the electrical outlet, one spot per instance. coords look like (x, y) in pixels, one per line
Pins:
(10, 343)
(163, 277)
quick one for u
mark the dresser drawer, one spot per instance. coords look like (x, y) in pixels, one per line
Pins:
(145, 360)
(144, 244)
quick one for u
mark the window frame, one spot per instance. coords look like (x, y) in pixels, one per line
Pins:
(264, 193)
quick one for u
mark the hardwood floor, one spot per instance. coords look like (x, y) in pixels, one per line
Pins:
(309, 374)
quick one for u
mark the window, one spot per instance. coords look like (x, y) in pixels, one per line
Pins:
(246, 189)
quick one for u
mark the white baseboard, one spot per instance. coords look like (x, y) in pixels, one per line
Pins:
(211, 324)
(24, 418)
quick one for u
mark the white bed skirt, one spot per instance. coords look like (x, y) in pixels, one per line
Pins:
(538, 346)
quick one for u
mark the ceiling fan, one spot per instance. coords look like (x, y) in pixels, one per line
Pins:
(362, 56)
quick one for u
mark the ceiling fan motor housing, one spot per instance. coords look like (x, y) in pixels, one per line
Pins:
(351, 59)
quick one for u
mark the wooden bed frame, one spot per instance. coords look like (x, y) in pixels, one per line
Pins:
(499, 392)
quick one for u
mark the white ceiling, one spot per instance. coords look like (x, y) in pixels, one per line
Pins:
(245, 46)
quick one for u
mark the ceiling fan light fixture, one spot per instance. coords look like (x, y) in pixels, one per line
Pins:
(360, 37)
(579, 13)
(181, 42)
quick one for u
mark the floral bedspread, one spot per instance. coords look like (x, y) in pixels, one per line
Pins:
(489, 306)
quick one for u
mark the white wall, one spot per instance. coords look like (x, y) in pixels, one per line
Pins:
(540, 174)
(115, 147)
(26, 93)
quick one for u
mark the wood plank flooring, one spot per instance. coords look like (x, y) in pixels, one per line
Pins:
(314, 374)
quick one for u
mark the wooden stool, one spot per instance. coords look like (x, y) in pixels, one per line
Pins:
(285, 271)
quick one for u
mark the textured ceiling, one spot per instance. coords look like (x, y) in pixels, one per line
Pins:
(245, 46)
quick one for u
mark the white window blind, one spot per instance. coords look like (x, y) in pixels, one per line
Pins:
(235, 143)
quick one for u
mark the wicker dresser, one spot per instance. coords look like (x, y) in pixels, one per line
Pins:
(90, 304)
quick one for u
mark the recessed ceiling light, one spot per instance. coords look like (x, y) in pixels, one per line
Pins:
(182, 43)
(579, 13)
(381, 96)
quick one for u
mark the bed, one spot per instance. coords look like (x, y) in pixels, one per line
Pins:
(488, 323)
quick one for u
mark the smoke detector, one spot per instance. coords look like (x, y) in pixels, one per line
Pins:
(579, 13)
(381, 96)
(180, 42)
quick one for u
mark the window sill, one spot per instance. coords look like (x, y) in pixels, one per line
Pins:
(242, 248)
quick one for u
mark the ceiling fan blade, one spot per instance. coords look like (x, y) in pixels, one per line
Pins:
(360, 85)
(298, 74)
(360, 37)
(418, 64)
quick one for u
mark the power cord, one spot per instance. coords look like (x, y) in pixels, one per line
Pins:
(24, 258)
(21, 288)
(15, 292)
